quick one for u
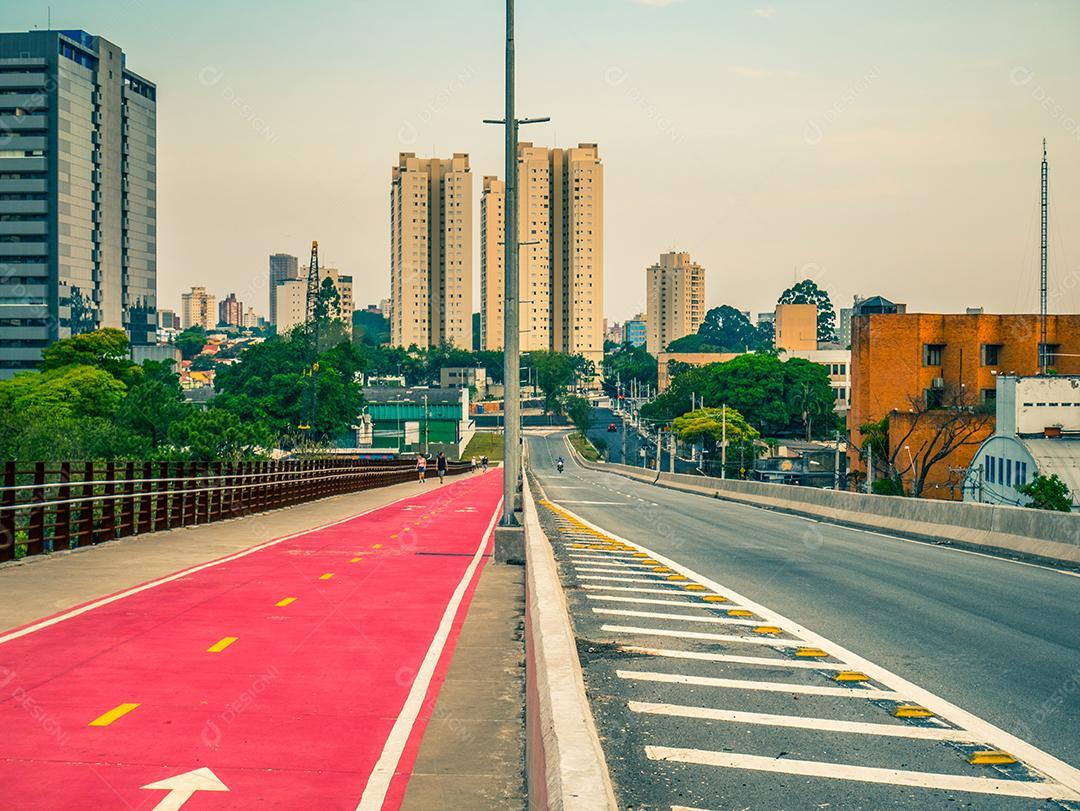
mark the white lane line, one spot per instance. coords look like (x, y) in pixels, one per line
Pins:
(798, 722)
(604, 503)
(742, 640)
(383, 772)
(866, 774)
(604, 570)
(675, 590)
(595, 560)
(733, 658)
(1029, 754)
(622, 612)
(764, 686)
(616, 579)
(614, 598)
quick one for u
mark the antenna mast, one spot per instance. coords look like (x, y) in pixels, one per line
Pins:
(311, 320)
(1042, 265)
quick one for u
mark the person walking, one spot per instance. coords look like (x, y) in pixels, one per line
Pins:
(440, 466)
(421, 468)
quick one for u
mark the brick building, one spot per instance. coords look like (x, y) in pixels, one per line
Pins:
(901, 359)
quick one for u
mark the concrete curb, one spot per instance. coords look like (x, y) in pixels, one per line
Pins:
(564, 761)
(1056, 536)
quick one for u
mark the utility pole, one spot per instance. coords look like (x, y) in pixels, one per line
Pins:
(723, 442)
(674, 449)
(659, 446)
(511, 285)
(624, 460)
(836, 462)
(869, 469)
(426, 421)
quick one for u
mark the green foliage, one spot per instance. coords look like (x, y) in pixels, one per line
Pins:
(789, 397)
(190, 342)
(554, 372)
(628, 363)
(695, 342)
(370, 329)
(106, 349)
(887, 487)
(729, 330)
(151, 407)
(272, 388)
(875, 437)
(807, 292)
(580, 410)
(1047, 493)
(216, 435)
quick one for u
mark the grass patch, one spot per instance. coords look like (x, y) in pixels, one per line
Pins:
(485, 443)
(584, 447)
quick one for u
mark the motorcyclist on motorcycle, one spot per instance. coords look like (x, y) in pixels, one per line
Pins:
(559, 464)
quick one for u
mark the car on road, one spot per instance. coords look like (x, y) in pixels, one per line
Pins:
(612, 428)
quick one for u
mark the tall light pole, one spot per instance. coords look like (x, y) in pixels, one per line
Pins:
(511, 292)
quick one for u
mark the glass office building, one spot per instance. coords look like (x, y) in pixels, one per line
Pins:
(78, 194)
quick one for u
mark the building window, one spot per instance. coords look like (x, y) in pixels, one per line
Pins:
(991, 354)
(1021, 474)
(988, 469)
(1008, 472)
(1051, 351)
(932, 354)
(988, 396)
(1001, 471)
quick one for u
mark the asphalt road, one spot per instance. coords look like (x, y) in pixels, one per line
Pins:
(997, 638)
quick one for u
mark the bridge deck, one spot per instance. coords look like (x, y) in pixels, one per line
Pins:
(299, 673)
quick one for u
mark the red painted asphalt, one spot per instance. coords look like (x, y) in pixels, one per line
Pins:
(294, 714)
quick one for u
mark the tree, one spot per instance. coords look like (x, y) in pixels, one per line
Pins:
(554, 372)
(809, 396)
(728, 329)
(707, 425)
(580, 410)
(694, 342)
(370, 329)
(216, 435)
(190, 342)
(106, 349)
(151, 407)
(932, 430)
(807, 292)
(1047, 493)
(626, 363)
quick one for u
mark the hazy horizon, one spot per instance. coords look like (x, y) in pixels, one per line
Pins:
(877, 150)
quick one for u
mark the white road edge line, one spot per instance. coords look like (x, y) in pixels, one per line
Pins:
(616, 579)
(1030, 754)
(733, 658)
(382, 773)
(866, 774)
(673, 590)
(801, 722)
(614, 598)
(764, 686)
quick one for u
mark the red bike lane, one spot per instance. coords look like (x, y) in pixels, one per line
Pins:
(299, 674)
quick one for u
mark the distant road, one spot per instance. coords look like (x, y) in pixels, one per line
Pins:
(998, 638)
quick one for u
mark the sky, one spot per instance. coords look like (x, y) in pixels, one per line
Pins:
(878, 148)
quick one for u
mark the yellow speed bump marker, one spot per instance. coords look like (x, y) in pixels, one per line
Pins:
(812, 653)
(661, 569)
(285, 602)
(694, 587)
(578, 546)
(355, 560)
(990, 756)
(850, 675)
(767, 629)
(677, 577)
(112, 715)
(715, 598)
(912, 711)
(640, 555)
(651, 562)
(740, 612)
(326, 576)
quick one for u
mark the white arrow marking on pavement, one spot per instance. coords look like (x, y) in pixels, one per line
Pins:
(182, 786)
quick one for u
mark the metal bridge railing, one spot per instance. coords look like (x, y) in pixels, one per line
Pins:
(44, 508)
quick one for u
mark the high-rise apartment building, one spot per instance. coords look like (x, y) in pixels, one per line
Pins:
(78, 194)
(290, 302)
(283, 268)
(231, 311)
(561, 262)
(198, 309)
(675, 303)
(431, 251)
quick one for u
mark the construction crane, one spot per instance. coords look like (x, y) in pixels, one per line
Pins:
(1042, 262)
(311, 320)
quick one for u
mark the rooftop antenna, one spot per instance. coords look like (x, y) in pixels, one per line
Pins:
(1042, 264)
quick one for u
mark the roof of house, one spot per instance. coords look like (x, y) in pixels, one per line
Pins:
(1057, 456)
(387, 394)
